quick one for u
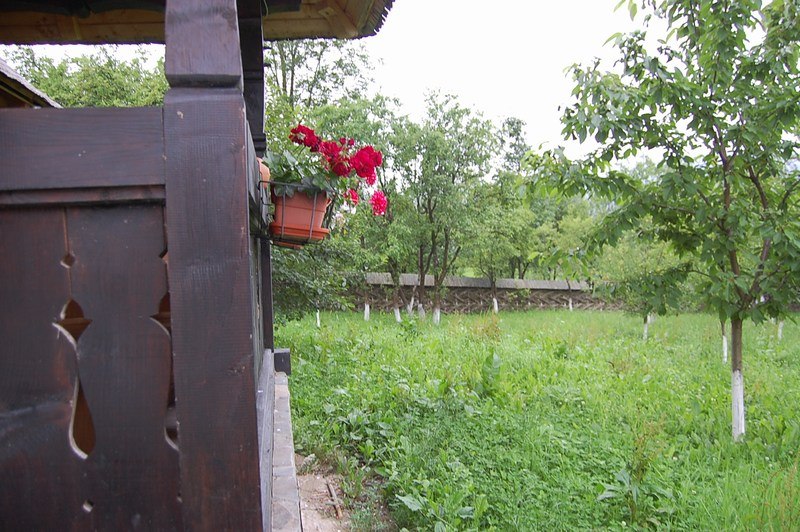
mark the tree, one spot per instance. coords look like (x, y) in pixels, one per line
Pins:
(444, 159)
(308, 73)
(718, 98)
(383, 242)
(493, 237)
(97, 80)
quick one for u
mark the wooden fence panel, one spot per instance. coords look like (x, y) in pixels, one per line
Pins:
(124, 357)
(37, 377)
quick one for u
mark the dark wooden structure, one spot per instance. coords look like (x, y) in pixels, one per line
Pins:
(15, 91)
(136, 299)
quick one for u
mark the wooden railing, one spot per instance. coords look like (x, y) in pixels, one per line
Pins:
(132, 305)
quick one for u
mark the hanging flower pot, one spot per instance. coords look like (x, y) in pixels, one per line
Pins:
(298, 219)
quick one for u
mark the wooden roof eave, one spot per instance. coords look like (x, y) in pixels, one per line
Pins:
(144, 22)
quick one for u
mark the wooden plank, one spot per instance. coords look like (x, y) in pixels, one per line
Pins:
(119, 279)
(211, 290)
(41, 487)
(69, 148)
(84, 196)
(213, 62)
(251, 39)
(265, 407)
(125, 26)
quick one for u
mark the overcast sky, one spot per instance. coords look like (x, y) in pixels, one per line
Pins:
(504, 57)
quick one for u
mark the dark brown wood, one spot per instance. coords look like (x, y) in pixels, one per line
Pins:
(251, 38)
(119, 279)
(213, 62)
(68, 148)
(210, 287)
(38, 377)
(265, 407)
(84, 196)
(267, 311)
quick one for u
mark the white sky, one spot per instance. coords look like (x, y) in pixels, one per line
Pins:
(503, 58)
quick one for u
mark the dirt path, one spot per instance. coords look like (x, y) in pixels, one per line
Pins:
(317, 506)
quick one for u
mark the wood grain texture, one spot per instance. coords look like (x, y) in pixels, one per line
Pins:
(211, 290)
(84, 196)
(37, 378)
(251, 40)
(215, 61)
(124, 359)
(69, 148)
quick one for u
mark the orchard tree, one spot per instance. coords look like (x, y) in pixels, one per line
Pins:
(717, 97)
(384, 242)
(445, 158)
(494, 235)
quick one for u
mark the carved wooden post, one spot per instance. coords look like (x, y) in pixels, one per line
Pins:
(209, 269)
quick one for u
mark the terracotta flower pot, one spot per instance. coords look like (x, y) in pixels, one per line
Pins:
(265, 173)
(298, 219)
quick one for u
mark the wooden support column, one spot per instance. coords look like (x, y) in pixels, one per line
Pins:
(209, 267)
(252, 39)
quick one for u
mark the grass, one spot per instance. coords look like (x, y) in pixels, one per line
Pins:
(551, 420)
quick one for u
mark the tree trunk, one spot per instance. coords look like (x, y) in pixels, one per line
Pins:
(318, 322)
(724, 342)
(646, 332)
(397, 317)
(780, 330)
(737, 380)
(410, 307)
(366, 311)
(570, 304)
(437, 312)
(495, 307)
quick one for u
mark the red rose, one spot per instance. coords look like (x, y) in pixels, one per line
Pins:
(379, 203)
(340, 168)
(352, 195)
(306, 136)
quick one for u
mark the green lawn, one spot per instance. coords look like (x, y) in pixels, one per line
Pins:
(552, 420)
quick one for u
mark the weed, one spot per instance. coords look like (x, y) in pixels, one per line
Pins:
(513, 423)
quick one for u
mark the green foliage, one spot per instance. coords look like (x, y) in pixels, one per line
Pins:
(520, 423)
(99, 79)
(309, 278)
(308, 73)
(713, 97)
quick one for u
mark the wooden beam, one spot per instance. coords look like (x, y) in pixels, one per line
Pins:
(67, 148)
(120, 27)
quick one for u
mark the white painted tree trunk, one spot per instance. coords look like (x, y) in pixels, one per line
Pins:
(780, 330)
(737, 404)
(410, 307)
(724, 342)
(737, 381)
(420, 311)
(437, 315)
(724, 349)
(570, 304)
(495, 307)
(397, 316)
(646, 332)
(366, 311)
(318, 322)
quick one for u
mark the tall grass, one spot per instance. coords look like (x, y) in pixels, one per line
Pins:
(552, 420)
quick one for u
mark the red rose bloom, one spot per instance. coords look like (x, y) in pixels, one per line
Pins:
(305, 136)
(352, 195)
(341, 168)
(379, 203)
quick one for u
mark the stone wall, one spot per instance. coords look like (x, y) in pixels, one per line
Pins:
(467, 294)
